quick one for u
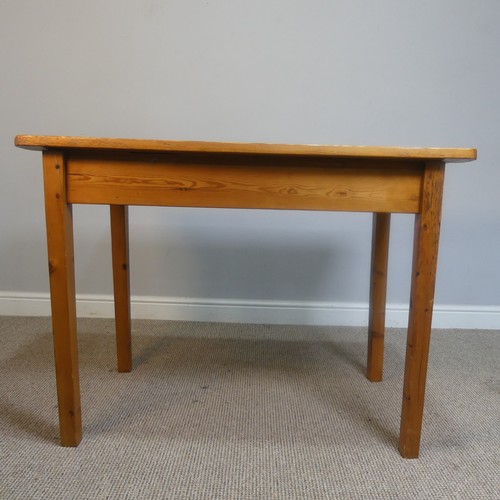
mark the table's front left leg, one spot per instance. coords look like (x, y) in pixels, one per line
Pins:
(62, 296)
(425, 250)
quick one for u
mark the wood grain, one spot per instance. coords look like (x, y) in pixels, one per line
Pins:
(62, 296)
(239, 182)
(425, 251)
(121, 285)
(38, 142)
(378, 289)
(122, 172)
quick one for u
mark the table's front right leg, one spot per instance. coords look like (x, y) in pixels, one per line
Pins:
(62, 295)
(426, 242)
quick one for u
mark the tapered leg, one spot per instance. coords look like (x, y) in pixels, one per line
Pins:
(378, 288)
(426, 240)
(62, 295)
(119, 245)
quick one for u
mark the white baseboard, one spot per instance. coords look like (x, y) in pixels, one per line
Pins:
(250, 311)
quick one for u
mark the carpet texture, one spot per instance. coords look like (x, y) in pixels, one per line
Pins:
(236, 411)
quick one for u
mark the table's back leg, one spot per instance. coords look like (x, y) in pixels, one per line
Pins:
(426, 240)
(62, 295)
(121, 283)
(378, 288)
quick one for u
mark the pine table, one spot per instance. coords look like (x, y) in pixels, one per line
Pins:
(123, 172)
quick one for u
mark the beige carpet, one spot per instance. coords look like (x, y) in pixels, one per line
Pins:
(229, 411)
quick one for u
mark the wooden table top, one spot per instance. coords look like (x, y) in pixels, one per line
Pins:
(40, 143)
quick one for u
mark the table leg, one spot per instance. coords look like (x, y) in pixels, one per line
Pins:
(121, 284)
(426, 240)
(62, 295)
(378, 288)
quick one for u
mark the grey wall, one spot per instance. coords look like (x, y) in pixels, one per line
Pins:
(392, 72)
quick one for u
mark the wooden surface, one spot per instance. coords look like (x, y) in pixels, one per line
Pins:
(122, 172)
(235, 181)
(63, 301)
(425, 252)
(121, 285)
(38, 142)
(378, 290)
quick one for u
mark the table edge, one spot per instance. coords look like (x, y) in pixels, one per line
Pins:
(41, 143)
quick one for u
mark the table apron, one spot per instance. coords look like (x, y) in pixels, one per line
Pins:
(244, 182)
